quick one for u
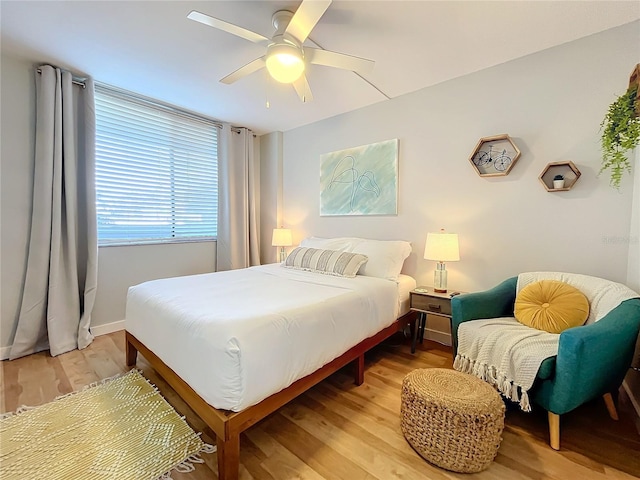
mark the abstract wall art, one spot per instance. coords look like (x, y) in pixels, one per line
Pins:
(360, 180)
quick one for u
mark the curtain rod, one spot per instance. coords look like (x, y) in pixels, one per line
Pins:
(81, 82)
(75, 80)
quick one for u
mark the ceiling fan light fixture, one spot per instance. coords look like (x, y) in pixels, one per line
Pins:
(284, 62)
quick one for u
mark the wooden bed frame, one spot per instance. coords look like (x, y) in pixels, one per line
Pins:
(228, 425)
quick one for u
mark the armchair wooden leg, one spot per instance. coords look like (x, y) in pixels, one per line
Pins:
(554, 430)
(611, 407)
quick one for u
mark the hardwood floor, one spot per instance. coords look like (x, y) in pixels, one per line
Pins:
(339, 431)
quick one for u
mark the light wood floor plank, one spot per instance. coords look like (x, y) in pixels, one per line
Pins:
(341, 431)
(371, 429)
(533, 455)
(279, 461)
(324, 458)
(77, 369)
(380, 461)
(252, 458)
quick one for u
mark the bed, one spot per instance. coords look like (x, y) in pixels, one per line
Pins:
(238, 345)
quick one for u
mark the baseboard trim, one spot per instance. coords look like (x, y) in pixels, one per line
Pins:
(437, 336)
(107, 328)
(97, 331)
(634, 401)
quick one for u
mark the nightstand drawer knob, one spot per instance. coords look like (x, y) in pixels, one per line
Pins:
(434, 307)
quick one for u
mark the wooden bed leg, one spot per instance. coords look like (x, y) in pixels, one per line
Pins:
(611, 407)
(131, 354)
(359, 374)
(228, 457)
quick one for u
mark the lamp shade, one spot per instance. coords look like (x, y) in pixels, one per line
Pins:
(281, 237)
(442, 247)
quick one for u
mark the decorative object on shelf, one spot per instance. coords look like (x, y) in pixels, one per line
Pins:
(282, 238)
(621, 131)
(558, 182)
(360, 180)
(559, 176)
(494, 156)
(441, 247)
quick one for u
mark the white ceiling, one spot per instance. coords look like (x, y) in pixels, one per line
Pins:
(152, 48)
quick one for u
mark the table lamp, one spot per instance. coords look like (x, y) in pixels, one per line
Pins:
(281, 238)
(441, 247)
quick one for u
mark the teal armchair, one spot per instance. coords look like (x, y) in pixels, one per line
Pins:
(592, 359)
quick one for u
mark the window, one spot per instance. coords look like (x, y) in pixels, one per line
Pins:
(156, 171)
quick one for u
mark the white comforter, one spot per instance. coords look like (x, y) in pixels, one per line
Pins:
(237, 337)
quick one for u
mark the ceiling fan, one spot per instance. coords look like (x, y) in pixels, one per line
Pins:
(286, 58)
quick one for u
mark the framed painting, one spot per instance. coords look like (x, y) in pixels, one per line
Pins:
(360, 180)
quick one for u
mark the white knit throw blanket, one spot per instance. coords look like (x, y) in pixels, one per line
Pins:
(504, 353)
(508, 354)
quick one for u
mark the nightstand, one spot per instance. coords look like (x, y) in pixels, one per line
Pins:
(424, 300)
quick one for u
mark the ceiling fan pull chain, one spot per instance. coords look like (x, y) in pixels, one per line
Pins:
(267, 88)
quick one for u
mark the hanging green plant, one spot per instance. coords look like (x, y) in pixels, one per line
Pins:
(620, 135)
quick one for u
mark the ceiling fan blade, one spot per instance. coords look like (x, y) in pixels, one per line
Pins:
(338, 60)
(306, 17)
(248, 69)
(302, 89)
(227, 27)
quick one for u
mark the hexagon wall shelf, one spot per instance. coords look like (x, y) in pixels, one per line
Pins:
(494, 156)
(568, 170)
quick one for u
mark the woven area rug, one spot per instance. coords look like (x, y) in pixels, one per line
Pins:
(121, 429)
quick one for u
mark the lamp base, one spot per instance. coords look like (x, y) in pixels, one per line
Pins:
(440, 278)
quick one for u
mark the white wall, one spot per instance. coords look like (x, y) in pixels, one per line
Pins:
(551, 103)
(118, 267)
(17, 126)
(121, 267)
(632, 380)
(633, 267)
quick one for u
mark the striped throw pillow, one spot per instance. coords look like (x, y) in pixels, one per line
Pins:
(330, 262)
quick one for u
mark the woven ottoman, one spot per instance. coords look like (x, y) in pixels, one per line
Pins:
(452, 419)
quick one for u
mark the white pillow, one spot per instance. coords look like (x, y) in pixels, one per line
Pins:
(344, 244)
(386, 257)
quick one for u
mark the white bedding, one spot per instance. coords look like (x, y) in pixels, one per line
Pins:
(237, 337)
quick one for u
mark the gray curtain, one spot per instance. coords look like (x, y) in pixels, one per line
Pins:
(61, 275)
(238, 193)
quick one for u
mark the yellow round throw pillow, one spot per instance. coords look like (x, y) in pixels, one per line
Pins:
(551, 306)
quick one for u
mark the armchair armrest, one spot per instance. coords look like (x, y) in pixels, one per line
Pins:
(592, 360)
(493, 303)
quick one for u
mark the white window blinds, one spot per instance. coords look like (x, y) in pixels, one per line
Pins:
(156, 171)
